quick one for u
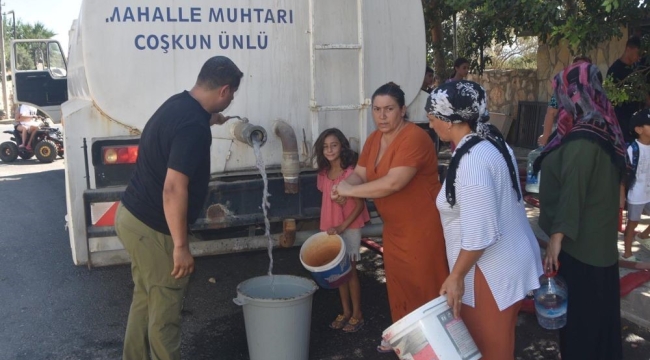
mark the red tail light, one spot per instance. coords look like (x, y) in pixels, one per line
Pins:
(127, 154)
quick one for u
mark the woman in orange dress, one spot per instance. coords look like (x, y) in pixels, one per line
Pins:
(398, 168)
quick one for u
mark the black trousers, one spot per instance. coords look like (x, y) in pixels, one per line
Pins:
(593, 329)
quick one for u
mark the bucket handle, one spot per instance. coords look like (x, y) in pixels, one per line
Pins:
(436, 305)
(239, 301)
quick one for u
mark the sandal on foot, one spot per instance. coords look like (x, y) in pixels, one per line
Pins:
(353, 325)
(21, 146)
(339, 322)
(384, 347)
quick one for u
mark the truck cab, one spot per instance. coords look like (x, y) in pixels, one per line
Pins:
(39, 75)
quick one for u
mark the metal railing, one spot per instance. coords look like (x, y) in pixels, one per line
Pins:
(530, 123)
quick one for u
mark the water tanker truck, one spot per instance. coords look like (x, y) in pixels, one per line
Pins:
(308, 65)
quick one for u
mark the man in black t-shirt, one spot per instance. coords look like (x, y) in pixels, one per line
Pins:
(619, 70)
(165, 194)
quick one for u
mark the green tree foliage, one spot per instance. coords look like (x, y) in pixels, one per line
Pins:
(485, 23)
(26, 55)
(439, 35)
(522, 54)
(636, 86)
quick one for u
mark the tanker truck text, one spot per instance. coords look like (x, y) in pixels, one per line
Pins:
(223, 40)
(195, 14)
(204, 42)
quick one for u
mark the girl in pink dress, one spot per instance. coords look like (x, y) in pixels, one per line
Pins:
(344, 217)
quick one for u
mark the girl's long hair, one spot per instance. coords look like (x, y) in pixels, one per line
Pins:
(348, 156)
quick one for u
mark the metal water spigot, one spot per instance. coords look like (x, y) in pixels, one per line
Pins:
(246, 132)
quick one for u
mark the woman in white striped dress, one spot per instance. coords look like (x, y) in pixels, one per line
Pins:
(494, 259)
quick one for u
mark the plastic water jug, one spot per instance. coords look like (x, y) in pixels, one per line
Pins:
(551, 302)
(532, 179)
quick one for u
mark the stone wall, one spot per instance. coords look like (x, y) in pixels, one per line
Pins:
(506, 88)
(551, 60)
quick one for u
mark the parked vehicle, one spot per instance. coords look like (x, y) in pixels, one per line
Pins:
(308, 65)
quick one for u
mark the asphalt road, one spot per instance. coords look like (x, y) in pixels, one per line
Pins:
(51, 309)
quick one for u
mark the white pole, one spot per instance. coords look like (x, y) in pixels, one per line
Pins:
(3, 66)
(455, 38)
(363, 111)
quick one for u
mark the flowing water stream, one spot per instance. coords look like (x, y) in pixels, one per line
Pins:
(259, 163)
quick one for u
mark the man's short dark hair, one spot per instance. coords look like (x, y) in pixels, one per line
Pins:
(219, 71)
(633, 42)
(429, 70)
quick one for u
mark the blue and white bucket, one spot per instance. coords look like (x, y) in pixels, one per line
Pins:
(325, 257)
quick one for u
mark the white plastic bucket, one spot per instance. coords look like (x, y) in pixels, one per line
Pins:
(431, 333)
(277, 316)
(325, 257)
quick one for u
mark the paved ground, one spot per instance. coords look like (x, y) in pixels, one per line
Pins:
(54, 310)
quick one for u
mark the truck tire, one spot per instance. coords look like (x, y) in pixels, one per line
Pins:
(8, 151)
(45, 151)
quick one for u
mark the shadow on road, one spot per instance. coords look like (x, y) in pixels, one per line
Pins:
(32, 161)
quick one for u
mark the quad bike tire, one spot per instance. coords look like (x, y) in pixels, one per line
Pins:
(45, 151)
(8, 151)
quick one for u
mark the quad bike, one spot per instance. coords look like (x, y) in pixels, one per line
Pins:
(46, 144)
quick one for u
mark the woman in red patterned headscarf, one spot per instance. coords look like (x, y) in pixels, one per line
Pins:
(584, 167)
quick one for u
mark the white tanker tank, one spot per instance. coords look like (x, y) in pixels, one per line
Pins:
(308, 65)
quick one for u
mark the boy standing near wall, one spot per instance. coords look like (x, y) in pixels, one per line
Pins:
(638, 196)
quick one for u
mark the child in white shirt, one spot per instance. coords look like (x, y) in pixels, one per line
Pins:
(638, 196)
